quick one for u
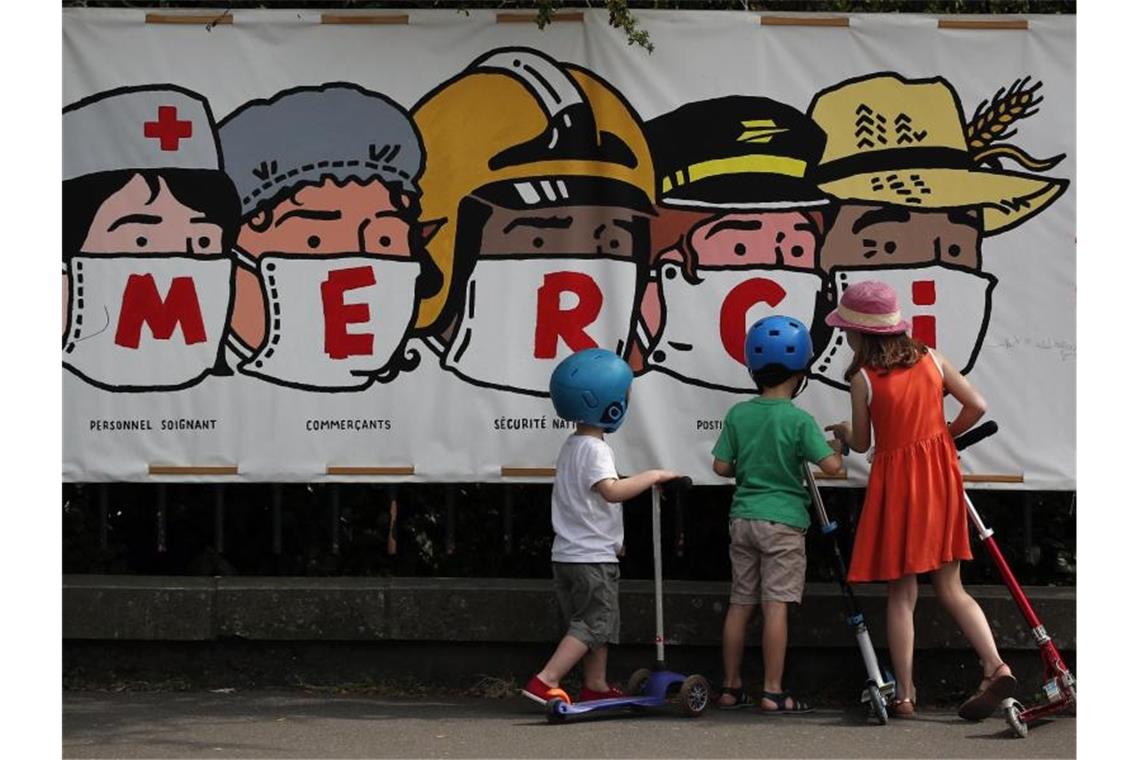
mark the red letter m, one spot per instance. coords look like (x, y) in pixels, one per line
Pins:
(142, 303)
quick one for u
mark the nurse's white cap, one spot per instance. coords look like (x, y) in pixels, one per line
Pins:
(149, 127)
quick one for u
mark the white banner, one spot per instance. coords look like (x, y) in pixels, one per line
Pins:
(297, 251)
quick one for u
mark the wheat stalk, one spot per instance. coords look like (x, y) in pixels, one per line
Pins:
(992, 118)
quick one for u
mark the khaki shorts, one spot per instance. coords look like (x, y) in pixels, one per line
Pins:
(768, 561)
(587, 595)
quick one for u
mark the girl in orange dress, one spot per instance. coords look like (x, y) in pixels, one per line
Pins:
(914, 514)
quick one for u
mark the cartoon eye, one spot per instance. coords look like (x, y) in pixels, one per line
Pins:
(314, 241)
(797, 251)
(538, 242)
(385, 241)
(203, 242)
(954, 250)
(740, 249)
(140, 242)
(615, 243)
(890, 246)
(872, 247)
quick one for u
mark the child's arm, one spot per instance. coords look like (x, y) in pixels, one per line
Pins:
(856, 433)
(973, 405)
(832, 465)
(723, 468)
(614, 490)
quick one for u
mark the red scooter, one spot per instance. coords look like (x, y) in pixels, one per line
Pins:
(1060, 686)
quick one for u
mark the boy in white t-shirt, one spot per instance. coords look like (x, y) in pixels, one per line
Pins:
(591, 388)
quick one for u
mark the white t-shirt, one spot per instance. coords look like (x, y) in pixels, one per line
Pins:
(587, 528)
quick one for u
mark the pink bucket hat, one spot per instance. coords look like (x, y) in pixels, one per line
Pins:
(870, 307)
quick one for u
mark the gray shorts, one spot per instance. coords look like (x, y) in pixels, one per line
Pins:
(587, 595)
(768, 561)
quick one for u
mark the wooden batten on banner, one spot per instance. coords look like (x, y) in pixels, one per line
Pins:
(526, 472)
(398, 470)
(821, 475)
(212, 19)
(171, 469)
(971, 478)
(530, 18)
(362, 19)
(1019, 24)
(836, 21)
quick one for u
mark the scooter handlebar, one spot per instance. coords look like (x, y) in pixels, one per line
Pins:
(972, 436)
(680, 483)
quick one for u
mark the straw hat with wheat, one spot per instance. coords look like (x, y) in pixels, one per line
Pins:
(906, 142)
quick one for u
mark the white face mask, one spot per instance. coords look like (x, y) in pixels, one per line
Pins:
(332, 322)
(146, 323)
(948, 310)
(705, 324)
(521, 317)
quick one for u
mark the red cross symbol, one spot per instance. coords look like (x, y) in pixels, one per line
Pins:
(168, 129)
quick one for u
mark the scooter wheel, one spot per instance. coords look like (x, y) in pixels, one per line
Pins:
(694, 696)
(1013, 718)
(877, 702)
(554, 710)
(636, 683)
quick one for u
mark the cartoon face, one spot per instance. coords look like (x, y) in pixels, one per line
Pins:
(890, 236)
(141, 218)
(786, 239)
(331, 219)
(318, 220)
(555, 231)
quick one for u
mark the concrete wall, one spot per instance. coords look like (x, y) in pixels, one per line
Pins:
(490, 610)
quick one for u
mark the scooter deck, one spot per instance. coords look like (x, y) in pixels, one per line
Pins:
(616, 703)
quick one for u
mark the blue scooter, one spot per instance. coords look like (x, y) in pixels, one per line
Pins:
(648, 688)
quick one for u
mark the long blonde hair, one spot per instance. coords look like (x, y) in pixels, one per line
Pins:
(884, 353)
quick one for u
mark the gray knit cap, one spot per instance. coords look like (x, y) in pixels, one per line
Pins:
(307, 134)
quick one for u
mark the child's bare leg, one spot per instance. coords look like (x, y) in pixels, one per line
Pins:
(594, 669)
(732, 646)
(566, 656)
(775, 645)
(902, 594)
(947, 582)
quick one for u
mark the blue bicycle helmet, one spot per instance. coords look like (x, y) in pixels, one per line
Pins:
(590, 386)
(778, 340)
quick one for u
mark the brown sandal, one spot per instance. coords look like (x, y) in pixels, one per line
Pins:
(902, 708)
(993, 691)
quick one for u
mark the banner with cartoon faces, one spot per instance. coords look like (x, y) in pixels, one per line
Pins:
(363, 259)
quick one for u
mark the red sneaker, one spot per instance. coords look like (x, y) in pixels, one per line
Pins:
(538, 691)
(589, 695)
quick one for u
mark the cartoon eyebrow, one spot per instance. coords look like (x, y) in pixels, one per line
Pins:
(735, 224)
(879, 215)
(563, 222)
(960, 216)
(305, 213)
(134, 219)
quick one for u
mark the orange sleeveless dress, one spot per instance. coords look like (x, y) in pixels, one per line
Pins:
(914, 513)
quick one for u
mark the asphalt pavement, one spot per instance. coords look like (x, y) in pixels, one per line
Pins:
(263, 724)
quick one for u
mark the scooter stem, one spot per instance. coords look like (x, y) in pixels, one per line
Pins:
(657, 593)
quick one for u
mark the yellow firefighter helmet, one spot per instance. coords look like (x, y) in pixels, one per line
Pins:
(516, 119)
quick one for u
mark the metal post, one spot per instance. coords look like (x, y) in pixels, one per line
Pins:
(103, 502)
(449, 524)
(508, 518)
(277, 519)
(219, 518)
(334, 508)
(160, 519)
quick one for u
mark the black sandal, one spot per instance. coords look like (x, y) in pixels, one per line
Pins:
(741, 697)
(780, 699)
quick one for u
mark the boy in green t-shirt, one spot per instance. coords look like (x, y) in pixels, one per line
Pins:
(763, 444)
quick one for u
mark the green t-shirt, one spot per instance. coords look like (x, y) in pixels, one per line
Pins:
(767, 440)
